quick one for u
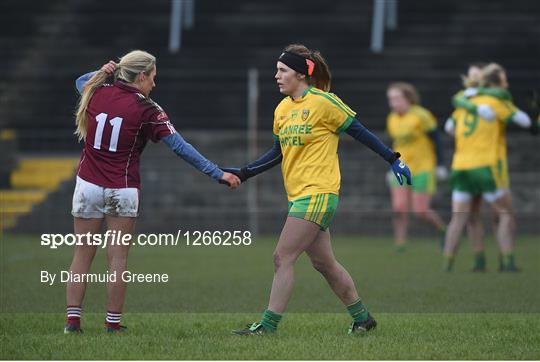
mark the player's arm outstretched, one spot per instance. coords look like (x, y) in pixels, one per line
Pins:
(174, 140)
(268, 160)
(189, 154)
(364, 136)
(356, 130)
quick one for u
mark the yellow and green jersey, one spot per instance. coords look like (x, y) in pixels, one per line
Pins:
(477, 139)
(460, 100)
(409, 133)
(308, 130)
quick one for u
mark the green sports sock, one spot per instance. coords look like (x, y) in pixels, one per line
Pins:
(270, 320)
(448, 263)
(508, 261)
(358, 311)
(480, 260)
(401, 248)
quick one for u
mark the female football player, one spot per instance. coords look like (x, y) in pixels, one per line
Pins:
(115, 121)
(414, 132)
(497, 88)
(476, 167)
(307, 124)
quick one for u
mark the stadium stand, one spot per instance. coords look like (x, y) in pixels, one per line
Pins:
(203, 87)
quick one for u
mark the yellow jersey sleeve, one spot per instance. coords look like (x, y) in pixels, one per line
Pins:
(338, 115)
(511, 106)
(275, 130)
(504, 109)
(427, 119)
(275, 127)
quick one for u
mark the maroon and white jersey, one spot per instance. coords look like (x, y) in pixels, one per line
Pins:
(120, 122)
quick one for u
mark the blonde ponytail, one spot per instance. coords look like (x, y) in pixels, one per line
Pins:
(127, 69)
(90, 87)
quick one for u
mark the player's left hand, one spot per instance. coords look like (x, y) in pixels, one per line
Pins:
(400, 169)
(441, 172)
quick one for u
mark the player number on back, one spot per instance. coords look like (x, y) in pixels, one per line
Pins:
(116, 123)
(470, 122)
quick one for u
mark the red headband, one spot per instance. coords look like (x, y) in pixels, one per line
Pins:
(310, 66)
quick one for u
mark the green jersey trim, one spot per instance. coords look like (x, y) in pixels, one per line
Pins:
(460, 101)
(499, 93)
(509, 118)
(345, 125)
(333, 99)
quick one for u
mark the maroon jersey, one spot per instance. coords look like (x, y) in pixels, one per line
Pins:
(120, 122)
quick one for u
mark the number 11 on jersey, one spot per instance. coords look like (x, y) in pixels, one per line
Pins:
(116, 123)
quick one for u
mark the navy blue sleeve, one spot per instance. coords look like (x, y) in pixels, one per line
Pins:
(435, 137)
(271, 158)
(360, 133)
(189, 154)
(81, 81)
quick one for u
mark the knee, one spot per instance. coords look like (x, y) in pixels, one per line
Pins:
(117, 260)
(420, 209)
(323, 267)
(85, 253)
(279, 260)
(505, 217)
(422, 214)
(282, 260)
(400, 210)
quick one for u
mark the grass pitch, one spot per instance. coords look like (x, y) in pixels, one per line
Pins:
(423, 313)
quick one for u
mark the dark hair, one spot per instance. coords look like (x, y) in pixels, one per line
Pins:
(321, 77)
(409, 91)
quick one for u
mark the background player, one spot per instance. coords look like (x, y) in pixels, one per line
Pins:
(116, 121)
(307, 124)
(478, 86)
(474, 167)
(415, 136)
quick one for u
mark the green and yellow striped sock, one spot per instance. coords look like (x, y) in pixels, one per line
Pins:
(270, 320)
(358, 311)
